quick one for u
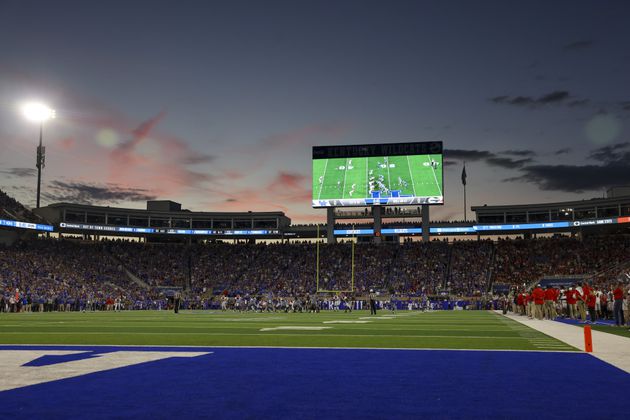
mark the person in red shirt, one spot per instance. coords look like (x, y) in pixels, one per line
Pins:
(603, 302)
(539, 300)
(580, 297)
(550, 305)
(618, 304)
(591, 300)
(520, 304)
(571, 302)
(529, 299)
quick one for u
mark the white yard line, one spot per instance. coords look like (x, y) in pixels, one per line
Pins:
(389, 177)
(345, 173)
(367, 178)
(413, 184)
(435, 176)
(321, 185)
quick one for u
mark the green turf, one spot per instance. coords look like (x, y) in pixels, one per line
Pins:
(349, 178)
(446, 330)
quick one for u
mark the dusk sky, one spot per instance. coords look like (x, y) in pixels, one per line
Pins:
(216, 105)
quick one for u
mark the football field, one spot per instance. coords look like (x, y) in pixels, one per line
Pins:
(406, 329)
(230, 365)
(393, 176)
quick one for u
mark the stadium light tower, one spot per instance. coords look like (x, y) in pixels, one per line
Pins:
(39, 113)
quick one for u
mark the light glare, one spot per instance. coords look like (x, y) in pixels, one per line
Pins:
(37, 112)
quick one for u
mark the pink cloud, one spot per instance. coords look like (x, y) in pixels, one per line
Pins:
(164, 171)
(67, 143)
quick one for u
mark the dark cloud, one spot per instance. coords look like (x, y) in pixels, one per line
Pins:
(468, 155)
(231, 200)
(578, 45)
(625, 106)
(613, 168)
(519, 152)
(508, 163)
(198, 158)
(562, 151)
(575, 178)
(613, 153)
(555, 97)
(84, 193)
(19, 172)
(578, 102)
(489, 157)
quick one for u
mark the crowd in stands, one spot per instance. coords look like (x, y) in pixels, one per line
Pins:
(523, 261)
(73, 274)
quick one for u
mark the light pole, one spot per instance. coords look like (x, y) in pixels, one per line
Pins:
(39, 113)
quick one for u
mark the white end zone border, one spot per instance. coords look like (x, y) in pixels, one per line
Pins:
(16, 375)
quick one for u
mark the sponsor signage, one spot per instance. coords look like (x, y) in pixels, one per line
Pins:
(25, 225)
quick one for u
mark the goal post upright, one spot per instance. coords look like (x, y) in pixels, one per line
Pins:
(317, 262)
(352, 267)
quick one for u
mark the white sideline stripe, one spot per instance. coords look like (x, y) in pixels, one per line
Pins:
(378, 317)
(472, 337)
(89, 346)
(345, 322)
(296, 328)
(611, 348)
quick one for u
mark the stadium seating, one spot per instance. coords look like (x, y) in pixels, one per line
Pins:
(71, 272)
(53, 274)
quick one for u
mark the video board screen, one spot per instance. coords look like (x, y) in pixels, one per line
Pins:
(378, 174)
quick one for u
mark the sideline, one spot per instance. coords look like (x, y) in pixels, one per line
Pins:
(611, 348)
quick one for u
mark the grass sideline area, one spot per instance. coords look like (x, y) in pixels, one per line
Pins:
(437, 330)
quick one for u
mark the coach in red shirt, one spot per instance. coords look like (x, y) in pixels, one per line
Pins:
(550, 305)
(539, 300)
(591, 300)
(571, 302)
(618, 304)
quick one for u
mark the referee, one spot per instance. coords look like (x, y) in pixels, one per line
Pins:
(372, 302)
(177, 301)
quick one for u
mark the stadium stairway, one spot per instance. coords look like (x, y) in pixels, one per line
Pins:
(449, 269)
(490, 271)
(130, 275)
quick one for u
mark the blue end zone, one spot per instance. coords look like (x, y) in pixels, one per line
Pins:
(332, 383)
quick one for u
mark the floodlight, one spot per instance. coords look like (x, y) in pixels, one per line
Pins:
(37, 112)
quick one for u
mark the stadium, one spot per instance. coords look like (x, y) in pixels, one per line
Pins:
(109, 299)
(314, 210)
